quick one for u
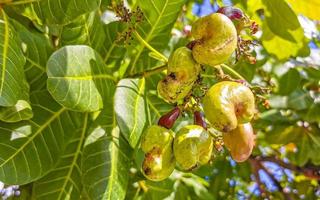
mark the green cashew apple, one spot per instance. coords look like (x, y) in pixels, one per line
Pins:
(159, 161)
(228, 104)
(183, 71)
(173, 90)
(192, 147)
(240, 142)
(183, 66)
(216, 39)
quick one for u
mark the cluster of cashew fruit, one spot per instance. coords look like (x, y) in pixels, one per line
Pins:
(228, 106)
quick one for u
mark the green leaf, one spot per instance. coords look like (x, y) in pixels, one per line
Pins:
(130, 108)
(283, 134)
(113, 50)
(37, 49)
(64, 182)
(12, 60)
(106, 159)
(159, 18)
(308, 8)
(158, 190)
(282, 36)
(78, 77)
(29, 149)
(282, 48)
(313, 73)
(105, 4)
(313, 113)
(289, 82)
(87, 29)
(218, 182)
(57, 12)
(299, 100)
(21, 111)
(281, 19)
(303, 151)
(199, 189)
(156, 107)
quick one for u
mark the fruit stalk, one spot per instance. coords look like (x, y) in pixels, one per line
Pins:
(146, 44)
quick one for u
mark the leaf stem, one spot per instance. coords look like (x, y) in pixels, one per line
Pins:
(146, 44)
(150, 72)
(231, 72)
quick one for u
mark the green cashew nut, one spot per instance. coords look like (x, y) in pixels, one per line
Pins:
(228, 104)
(216, 39)
(159, 161)
(192, 147)
(240, 142)
(183, 71)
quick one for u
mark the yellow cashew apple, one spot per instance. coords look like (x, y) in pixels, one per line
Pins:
(216, 39)
(240, 142)
(228, 104)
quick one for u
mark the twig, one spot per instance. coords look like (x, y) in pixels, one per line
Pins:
(255, 167)
(309, 171)
(150, 72)
(275, 181)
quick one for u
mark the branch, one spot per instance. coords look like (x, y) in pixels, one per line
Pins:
(255, 167)
(309, 171)
(275, 181)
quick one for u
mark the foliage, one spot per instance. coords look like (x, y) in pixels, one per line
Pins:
(78, 87)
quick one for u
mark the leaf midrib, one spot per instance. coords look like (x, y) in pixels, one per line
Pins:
(113, 156)
(90, 77)
(76, 155)
(141, 87)
(5, 50)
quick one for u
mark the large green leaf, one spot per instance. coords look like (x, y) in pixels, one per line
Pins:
(282, 34)
(289, 82)
(12, 60)
(309, 8)
(37, 49)
(281, 19)
(57, 11)
(87, 29)
(29, 149)
(64, 182)
(78, 77)
(282, 48)
(130, 108)
(160, 16)
(106, 159)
